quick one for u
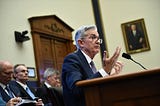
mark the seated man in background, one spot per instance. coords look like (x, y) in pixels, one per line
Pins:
(51, 91)
(9, 94)
(6, 74)
(21, 78)
(52, 78)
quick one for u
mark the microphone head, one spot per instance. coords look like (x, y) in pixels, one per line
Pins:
(24, 32)
(127, 56)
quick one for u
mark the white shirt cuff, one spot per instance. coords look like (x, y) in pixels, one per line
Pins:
(103, 73)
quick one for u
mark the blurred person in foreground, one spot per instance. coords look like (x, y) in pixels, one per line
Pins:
(79, 65)
(7, 96)
(51, 90)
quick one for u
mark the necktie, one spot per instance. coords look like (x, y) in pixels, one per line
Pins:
(30, 93)
(9, 91)
(93, 67)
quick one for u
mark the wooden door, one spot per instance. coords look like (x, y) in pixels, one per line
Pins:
(48, 57)
(52, 41)
(53, 53)
(61, 51)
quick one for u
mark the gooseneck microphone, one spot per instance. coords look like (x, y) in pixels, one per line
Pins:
(127, 56)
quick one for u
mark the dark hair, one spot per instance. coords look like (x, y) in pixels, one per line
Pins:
(15, 67)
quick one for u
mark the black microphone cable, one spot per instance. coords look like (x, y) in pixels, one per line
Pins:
(127, 56)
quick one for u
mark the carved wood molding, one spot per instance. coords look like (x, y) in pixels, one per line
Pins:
(51, 25)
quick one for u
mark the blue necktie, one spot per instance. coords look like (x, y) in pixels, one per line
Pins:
(93, 67)
(30, 93)
(9, 91)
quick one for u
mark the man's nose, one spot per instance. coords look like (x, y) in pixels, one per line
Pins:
(100, 41)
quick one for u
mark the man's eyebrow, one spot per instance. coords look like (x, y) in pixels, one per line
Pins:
(93, 34)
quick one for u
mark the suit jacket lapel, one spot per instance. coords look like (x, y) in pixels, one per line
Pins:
(85, 64)
(4, 95)
(22, 91)
(14, 89)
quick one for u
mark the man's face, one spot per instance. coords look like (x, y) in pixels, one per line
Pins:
(91, 44)
(21, 74)
(6, 73)
(54, 80)
(133, 27)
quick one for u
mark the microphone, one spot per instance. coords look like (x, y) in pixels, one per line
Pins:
(127, 56)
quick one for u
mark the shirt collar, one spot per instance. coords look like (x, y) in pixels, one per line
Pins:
(3, 86)
(87, 57)
(23, 85)
(48, 85)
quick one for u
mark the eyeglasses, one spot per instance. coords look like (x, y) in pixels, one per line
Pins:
(94, 37)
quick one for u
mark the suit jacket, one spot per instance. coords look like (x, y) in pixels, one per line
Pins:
(21, 91)
(5, 96)
(2, 102)
(134, 40)
(75, 68)
(50, 96)
(57, 92)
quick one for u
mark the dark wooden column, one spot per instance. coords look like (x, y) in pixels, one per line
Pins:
(99, 24)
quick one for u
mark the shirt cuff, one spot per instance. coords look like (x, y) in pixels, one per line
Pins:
(103, 72)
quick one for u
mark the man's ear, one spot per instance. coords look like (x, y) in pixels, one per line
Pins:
(80, 42)
(14, 75)
(48, 78)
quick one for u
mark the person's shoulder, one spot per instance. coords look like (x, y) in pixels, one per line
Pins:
(41, 89)
(73, 54)
(73, 57)
(13, 83)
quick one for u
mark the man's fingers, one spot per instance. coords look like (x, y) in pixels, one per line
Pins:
(104, 54)
(116, 54)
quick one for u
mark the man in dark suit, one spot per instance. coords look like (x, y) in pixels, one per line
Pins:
(77, 67)
(135, 38)
(21, 78)
(51, 91)
(7, 95)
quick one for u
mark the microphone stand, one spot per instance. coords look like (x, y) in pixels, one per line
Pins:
(138, 63)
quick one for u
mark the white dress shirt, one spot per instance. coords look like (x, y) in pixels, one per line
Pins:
(101, 71)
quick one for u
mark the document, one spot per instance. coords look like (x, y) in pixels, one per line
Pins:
(25, 102)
